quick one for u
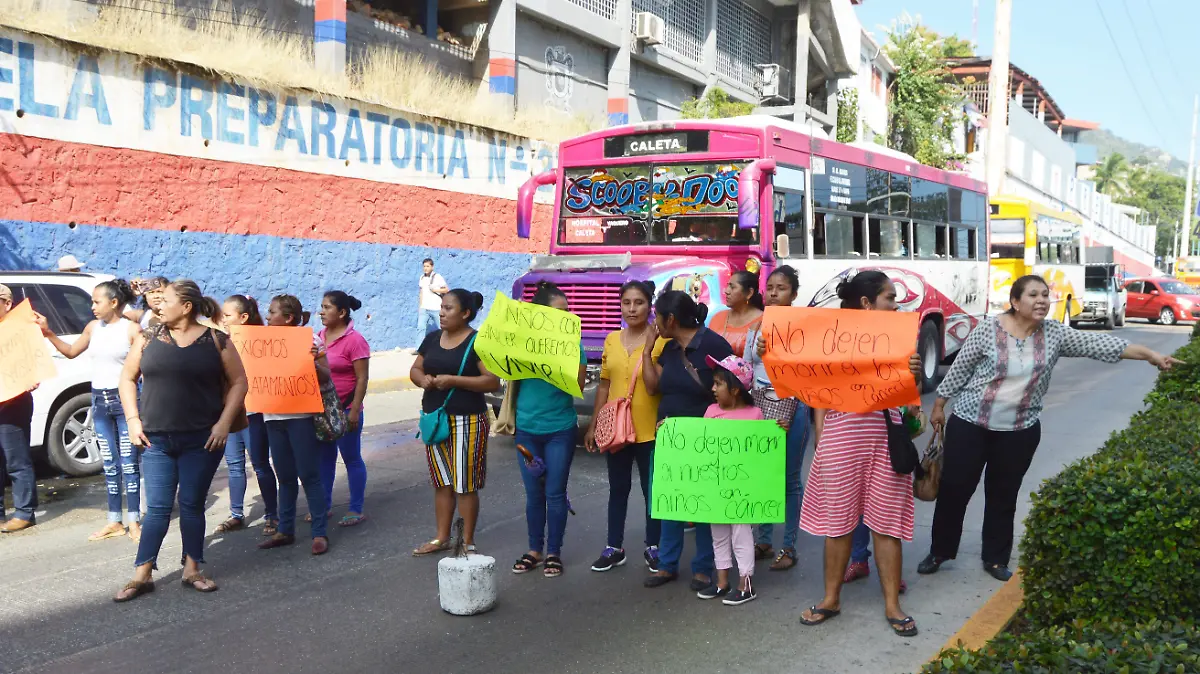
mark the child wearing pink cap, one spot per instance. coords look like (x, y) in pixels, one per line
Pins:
(733, 380)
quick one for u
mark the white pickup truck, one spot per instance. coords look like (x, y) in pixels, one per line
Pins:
(1104, 297)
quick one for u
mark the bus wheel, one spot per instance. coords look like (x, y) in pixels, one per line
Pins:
(929, 345)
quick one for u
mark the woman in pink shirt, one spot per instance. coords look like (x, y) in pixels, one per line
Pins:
(349, 360)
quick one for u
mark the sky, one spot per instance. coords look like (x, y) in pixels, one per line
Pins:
(1064, 45)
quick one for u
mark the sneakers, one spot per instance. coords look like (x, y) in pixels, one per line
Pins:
(651, 557)
(855, 571)
(689, 528)
(713, 592)
(741, 596)
(611, 558)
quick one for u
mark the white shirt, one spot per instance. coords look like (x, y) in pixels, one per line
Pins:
(108, 348)
(430, 300)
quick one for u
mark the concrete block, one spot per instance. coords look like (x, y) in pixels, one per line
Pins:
(467, 585)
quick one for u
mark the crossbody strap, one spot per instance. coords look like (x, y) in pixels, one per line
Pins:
(461, 368)
(637, 369)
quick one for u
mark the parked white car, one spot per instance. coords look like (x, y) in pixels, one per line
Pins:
(62, 407)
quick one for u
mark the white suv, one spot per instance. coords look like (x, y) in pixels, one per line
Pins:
(62, 407)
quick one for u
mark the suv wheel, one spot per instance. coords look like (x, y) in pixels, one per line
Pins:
(71, 444)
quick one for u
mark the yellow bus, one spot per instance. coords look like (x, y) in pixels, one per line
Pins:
(1187, 269)
(1030, 238)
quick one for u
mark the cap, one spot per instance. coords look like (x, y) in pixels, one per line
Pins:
(5, 293)
(736, 366)
(67, 262)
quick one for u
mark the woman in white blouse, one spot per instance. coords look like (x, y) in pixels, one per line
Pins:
(998, 381)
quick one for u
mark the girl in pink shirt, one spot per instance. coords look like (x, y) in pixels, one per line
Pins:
(732, 381)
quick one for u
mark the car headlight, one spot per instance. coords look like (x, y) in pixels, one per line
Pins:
(1185, 303)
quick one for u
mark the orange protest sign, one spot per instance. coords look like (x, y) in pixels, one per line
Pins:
(841, 359)
(279, 368)
(25, 359)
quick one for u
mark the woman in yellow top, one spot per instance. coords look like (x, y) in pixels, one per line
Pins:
(745, 311)
(622, 354)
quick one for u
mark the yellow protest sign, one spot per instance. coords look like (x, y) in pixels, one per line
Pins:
(849, 360)
(519, 340)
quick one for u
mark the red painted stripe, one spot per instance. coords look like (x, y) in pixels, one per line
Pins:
(617, 105)
(53, 181)
(502, 68)
(327, 10)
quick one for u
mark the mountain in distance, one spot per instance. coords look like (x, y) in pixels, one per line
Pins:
(1107, 142)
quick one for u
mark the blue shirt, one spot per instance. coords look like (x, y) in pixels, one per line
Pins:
(681, 395)
(543, 408)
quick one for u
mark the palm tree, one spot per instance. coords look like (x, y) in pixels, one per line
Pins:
(1112, 175)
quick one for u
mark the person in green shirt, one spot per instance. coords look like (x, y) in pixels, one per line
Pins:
(546, 427)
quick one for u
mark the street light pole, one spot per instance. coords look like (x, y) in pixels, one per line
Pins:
(1185, 229)
(998, 95)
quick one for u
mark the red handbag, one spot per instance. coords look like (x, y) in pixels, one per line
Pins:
(614, 423)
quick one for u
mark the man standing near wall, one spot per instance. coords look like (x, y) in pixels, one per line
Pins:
(432, 287)
(16, 416)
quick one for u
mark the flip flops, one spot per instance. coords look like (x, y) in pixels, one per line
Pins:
(436, 545)
(826, 614)
(107, 533)
(352, 520)
(139, 590)
(909, 631)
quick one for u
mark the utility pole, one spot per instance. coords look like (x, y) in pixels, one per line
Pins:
(998, 95)
(1185, 229)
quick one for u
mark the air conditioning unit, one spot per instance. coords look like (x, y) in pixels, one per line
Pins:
(649, 28)
(777, 81)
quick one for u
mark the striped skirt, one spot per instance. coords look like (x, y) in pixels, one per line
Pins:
(461, 461)
(851, 477)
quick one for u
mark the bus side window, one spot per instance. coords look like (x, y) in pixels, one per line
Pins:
(888, 238)
(927, 240)
(837, 235)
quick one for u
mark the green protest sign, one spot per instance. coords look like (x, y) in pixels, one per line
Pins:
(718, 471)
(519, 340)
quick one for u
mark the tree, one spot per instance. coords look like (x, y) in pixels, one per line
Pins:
(924, 105)
(1157, 193)
(716, 104)
(948, 47)
(847, 116)
(1112, 175)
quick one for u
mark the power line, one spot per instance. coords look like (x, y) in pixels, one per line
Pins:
(1125, 66)
(1137, 38)
(1165, 43)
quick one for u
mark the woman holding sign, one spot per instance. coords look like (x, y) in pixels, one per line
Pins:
(108, 340)
(683, 376)
(349, 362)
(851, 478)
(455, 380)
(193, 388)
(998, 382)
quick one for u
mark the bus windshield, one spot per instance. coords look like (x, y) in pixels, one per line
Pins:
(1008, 238)
(645, 204)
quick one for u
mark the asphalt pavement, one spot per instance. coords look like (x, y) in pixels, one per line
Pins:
(369, 606)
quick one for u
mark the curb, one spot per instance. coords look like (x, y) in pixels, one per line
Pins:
(390, 385)
(991, 618)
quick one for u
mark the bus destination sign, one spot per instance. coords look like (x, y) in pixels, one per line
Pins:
(646, 144)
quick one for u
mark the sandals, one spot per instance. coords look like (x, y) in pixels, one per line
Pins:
(763, 551)
(526, 563)
(308, 517)
(109, 531)
(784, 561)
(554, 567)
(909, 631)
(432, 547)
(190, 581)
(352, 520)
(277, 541)
(826, 614)
(139, 589)
(231, 524)
(270, 527)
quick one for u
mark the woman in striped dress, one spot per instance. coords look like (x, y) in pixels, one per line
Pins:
(851, 477)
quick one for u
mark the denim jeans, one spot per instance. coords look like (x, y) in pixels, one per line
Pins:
(16, 457)
(122, 471)
(350, 447)
(297, 454)
(620, 483)
(797, 444)
(253, 438)
(176, 463)
(546, 495)
(670, 549)
(861, 552)
(428, 321)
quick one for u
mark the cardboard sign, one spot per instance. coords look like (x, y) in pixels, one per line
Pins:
(25, 359)
(519, 340)
(279, 368)
(719, 471)
(841, 359)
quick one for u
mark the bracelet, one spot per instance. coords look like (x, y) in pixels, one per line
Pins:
(133, 418)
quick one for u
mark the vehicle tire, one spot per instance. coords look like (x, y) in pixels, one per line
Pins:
(1121, 319)
(1166, 316)
(1109, 322)
(71, 443)
(929, 345)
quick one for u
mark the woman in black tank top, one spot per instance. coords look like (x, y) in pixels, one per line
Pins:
(193, 390)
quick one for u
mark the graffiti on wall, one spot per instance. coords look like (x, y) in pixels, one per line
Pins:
(560, 78)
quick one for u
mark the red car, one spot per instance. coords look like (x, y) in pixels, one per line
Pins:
(1162, 300)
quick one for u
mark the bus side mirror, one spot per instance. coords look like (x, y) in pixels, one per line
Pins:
(783, 246)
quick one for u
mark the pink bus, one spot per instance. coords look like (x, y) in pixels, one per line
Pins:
(687, 203)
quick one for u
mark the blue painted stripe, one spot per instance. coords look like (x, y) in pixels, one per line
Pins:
(618, 118)
(330, 30)
(503, 84)
(383, 276)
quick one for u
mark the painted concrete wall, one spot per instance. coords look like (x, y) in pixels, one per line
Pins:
(656, 95)
(148, 170)
(559, 69)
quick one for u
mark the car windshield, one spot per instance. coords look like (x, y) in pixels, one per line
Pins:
(1176, 288)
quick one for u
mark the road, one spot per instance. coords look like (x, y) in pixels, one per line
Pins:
(368, 606)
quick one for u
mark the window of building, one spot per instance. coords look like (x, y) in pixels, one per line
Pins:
(743, 41)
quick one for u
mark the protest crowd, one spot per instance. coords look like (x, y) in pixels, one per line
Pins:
(181, 381)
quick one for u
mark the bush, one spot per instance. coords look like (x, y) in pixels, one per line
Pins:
(1155, 647)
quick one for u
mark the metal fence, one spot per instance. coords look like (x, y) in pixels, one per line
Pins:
(743, 41)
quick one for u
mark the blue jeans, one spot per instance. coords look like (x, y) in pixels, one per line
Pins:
(797, 444)
(17, 416)
(297, 454)
(861, 551)
(350, 447)
(620, 483)
(122, 471)
(176, 463)
(428, 321)
(253, 438)
(546, 495)
(670, 548)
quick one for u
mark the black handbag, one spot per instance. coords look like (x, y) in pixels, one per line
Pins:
(901, 449)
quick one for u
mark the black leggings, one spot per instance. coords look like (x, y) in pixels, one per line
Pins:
(969, 448)
(620, 482)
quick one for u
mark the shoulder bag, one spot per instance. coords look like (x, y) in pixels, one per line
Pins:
(926, 486)
(240, 421)
(331, 424)
(614, 423)
(435, 426)
(506, 419)
(901, 449)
